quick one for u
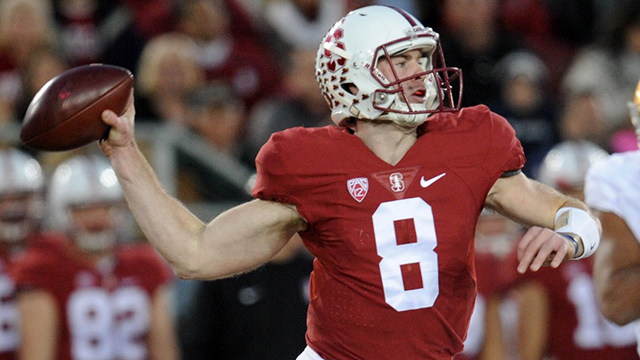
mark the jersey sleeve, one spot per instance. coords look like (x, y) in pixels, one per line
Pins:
(610, 186)
(278, 170)
(505, 152)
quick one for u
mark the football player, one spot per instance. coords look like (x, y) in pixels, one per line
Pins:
(21, 209)
(387, 201)
(611, 188)
(88, 297)
(558, 311)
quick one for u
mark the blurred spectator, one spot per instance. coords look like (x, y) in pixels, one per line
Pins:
(151, 17)
(582, 117)
(240, 61)
(21, 185)
(301, 24)
(112, 32)
(527, 105)
(624, 140)
(258, 315)
(610, 67)
(555, 30)
(218, 115)
(474, 41)
(25, 25)
(42, 65)
(168, 71)
(559, 313)
(301, 103)
(90, 297)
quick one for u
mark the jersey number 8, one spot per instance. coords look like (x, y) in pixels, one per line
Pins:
(395, 255)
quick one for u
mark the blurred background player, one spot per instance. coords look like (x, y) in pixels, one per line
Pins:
(89, 297)
(494, 319)
(558, 312)
(21, 185)
(612, 190)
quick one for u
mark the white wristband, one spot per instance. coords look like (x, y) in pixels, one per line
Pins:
(574, 221)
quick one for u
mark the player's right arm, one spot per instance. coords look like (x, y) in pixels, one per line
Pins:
(238, 240)
(616, 271)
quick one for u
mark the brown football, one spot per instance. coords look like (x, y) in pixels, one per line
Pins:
(65, 113)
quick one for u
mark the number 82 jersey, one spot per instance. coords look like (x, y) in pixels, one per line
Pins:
(393, 276)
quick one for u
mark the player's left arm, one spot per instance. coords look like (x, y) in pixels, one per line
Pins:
(548, 214)
(163, 343)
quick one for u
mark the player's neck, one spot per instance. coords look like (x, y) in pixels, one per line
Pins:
(389, 141)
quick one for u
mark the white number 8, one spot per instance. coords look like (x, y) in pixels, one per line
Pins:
(395, 255)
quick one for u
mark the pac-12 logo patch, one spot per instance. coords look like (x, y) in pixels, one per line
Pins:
(358, 188)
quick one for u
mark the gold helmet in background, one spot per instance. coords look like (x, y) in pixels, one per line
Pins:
(634, 110)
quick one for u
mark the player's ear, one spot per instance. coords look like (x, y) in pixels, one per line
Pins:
(351, 88)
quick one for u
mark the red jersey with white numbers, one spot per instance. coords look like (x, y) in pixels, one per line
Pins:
(105, 314)
(9, 316)
(393, 276)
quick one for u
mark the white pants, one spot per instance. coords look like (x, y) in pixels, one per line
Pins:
(309, 354)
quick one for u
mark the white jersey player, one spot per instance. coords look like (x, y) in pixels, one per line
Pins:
(613, 189)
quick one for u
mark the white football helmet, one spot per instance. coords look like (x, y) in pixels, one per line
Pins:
(83, 182)
(349, 55)
(21, 204)
(566, 164)
(634, 110)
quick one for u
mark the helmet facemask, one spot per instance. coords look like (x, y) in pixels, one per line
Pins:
(20, 214)
(95, 227)
(392, 99)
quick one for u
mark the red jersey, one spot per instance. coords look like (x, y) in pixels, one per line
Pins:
(393, 276)
(105, 314)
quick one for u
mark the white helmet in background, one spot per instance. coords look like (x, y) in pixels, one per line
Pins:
(21, 204)
(84, 182)
(566, 164)
(349, 54)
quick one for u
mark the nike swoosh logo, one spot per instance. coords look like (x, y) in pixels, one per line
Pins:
(424, 183)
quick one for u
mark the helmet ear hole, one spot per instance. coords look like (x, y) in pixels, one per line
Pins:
(351, 88)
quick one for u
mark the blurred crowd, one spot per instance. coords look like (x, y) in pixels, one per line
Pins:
(231, 72)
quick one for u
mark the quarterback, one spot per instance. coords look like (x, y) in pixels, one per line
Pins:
(387, 200)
